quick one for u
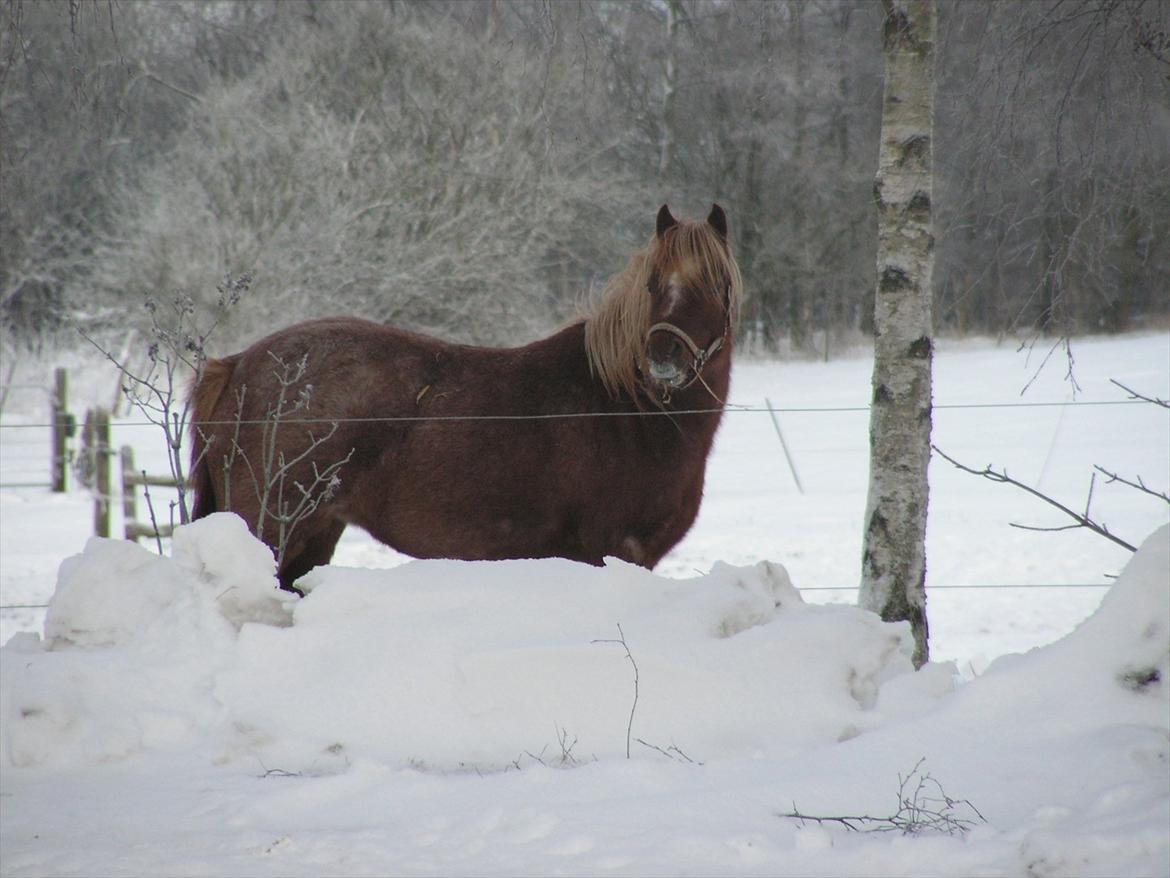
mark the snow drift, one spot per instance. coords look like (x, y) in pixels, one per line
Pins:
(438, 662)
(199, 667)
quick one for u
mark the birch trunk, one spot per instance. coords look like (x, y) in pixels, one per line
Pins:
(894, 558)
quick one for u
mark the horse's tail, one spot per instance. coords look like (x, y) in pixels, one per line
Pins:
(204, 397)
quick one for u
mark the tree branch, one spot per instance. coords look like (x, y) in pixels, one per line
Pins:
(1139, 484)
(923, 806)
(1083, 520)
(1133, 394)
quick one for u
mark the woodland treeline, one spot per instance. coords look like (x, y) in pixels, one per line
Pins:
(472, 169)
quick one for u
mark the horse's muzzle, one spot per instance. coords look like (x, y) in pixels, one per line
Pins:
(674, 360)
(667, 358)
(668, 373)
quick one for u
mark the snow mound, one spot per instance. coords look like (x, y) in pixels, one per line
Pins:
(458, 666)
(1121, 650)
(234, 566)
(116, 591)
(132, 642)
(448, 663)
(1070, 742)
(1131, 628)
(1095, 707)
(440, 663)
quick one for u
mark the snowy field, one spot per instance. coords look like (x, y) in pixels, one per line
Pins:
(175, 716)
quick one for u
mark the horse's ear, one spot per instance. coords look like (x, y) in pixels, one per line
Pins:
(666, 220)
(717, 220)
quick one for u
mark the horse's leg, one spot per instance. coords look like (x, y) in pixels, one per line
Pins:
(316, 549)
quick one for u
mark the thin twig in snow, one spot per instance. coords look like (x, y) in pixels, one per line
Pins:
(673, 752)
(633, 707)
(150, 509)
(923, 807)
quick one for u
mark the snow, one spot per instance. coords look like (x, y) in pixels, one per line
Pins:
(179, 714)
(434, 642)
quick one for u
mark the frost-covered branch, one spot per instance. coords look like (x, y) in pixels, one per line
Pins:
(280, 497)
(178, 347)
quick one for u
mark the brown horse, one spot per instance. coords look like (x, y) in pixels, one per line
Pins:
(592, 442)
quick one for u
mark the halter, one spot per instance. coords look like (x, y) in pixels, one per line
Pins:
(699, 356)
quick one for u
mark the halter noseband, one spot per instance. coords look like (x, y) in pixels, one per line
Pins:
(699, 356)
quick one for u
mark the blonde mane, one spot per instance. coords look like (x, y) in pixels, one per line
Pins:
(615, 330)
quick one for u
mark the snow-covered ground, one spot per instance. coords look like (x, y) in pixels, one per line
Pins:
(174, 716)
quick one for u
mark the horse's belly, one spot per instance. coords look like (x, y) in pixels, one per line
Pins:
(530, 504)
(473, 532)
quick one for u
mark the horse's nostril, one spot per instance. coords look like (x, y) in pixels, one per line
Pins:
(667, 350)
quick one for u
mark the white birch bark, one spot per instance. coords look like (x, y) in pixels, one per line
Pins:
(893, 580)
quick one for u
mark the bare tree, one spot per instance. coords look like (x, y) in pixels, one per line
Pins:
(1054, 171)
(176, 352)
(893, 580)
(413, 179)
(91, 92)
(277, 501)
(470, 168)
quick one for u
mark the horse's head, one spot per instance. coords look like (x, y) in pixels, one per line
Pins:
(669, 313)
(693, 285)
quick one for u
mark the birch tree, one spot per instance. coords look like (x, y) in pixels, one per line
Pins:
(893, 580)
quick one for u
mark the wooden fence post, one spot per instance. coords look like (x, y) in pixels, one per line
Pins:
(129, 495)
(133, 529)
(86, 465)
(102, 455)
(62, 429)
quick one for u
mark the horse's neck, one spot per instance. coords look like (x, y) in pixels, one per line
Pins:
(560, 363)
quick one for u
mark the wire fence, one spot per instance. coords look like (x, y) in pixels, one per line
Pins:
(550, 416)
(727, 409)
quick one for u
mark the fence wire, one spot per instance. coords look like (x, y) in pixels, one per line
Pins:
(728, 409)
(668, 413)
